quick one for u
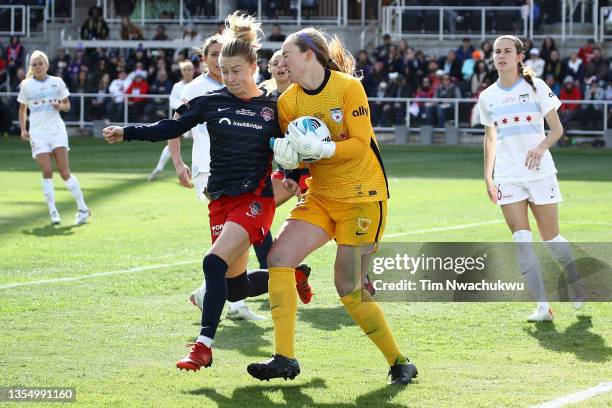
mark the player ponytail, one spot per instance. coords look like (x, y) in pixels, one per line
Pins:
(241, 37)
(331, 54)
(35, 55)
(527, 73)
(203, 52)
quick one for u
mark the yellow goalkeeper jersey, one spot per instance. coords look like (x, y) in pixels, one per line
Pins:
(355, 173)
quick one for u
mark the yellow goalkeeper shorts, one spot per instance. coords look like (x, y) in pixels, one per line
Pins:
(355, 224)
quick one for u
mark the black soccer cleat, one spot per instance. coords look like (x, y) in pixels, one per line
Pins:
(275, 367)
(402, 374)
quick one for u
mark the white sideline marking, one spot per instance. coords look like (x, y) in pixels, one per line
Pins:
(98, 274)
(577, 396)
(438, 229)
(153, 267)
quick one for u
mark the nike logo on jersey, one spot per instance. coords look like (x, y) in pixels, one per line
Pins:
(222, 109)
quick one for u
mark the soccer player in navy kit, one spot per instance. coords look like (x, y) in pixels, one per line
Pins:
(240, 119)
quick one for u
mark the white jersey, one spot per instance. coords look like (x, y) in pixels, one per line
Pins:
(39, 96)
(517, 113)
(175, 95)
(200, 153)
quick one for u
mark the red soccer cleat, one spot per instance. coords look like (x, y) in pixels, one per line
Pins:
(304, 290)
(199, 356)
(369, 286)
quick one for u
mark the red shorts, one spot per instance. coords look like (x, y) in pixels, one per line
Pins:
(253, 213)
(277, 174)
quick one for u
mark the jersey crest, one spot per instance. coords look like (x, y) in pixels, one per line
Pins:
(336, 115)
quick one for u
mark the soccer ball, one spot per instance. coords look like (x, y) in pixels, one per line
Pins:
(306, 124)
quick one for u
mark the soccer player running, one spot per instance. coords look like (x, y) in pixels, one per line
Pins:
(46, 96)
(211, 80)
(346, 200)
(240, 119)
(174, 102)
(519, 170)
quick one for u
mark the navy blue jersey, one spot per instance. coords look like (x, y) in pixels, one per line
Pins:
(239, 131)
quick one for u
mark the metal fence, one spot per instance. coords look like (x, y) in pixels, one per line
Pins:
(87, 108)
(298, 12)
(460, 21)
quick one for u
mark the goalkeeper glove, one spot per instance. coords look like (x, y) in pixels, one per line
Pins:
(284, 154)
(308, 144)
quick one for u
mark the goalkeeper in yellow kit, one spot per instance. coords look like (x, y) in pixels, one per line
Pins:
(346, 200)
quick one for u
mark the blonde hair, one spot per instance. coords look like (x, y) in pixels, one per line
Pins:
(331, 53)
(527, 73)
(36, 54)
(241, 36)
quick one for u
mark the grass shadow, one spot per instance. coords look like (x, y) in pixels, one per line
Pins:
(294, 396)
(244, 336)
(50, 231)
(325, 318)
(576, 339)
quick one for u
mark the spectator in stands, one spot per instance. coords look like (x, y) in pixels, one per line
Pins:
(465, 50)
(451, 65)
(487, 55)
(191, 34)
(590, 114)
(14, 56)
(527, 46)
(535, 62)
(75, 66)
(371, 79)
(138, 71)
(552, 84)
(434, 74)
(574, 67)
(403, 89)
(264, 71)
(139, 56)
(157, 108)
(402, 47)
(569, 92)
(117, 89)
(597, 66)
(160, 34)
(94, 28)
(99, 104)
(478, 77)
(276, 34)
(99, 71)
(467, 69)
(138, 86)
(446, 90)
(548, 46)
(419, 65)
(81, 85)
(585, 53)
(424, 91)
(129, 30)
(60, 64)
(381, 51)
(364, 64)
(393, 63)
(554, 66)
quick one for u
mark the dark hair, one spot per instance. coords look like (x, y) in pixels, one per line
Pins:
(523, 71)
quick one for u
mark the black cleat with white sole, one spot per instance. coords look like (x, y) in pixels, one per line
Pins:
(275, 367)
(402, 374)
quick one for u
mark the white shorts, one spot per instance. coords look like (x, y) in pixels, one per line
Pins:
(200, 181)
(47, 142)
(542, 191)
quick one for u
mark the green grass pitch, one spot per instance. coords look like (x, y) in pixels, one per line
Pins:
(116, 337)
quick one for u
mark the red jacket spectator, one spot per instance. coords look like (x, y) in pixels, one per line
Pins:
(570, 92)
(137, 87)
(586, 52)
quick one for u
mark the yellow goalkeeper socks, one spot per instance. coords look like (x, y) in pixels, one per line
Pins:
(283, 306)
(370, 317)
